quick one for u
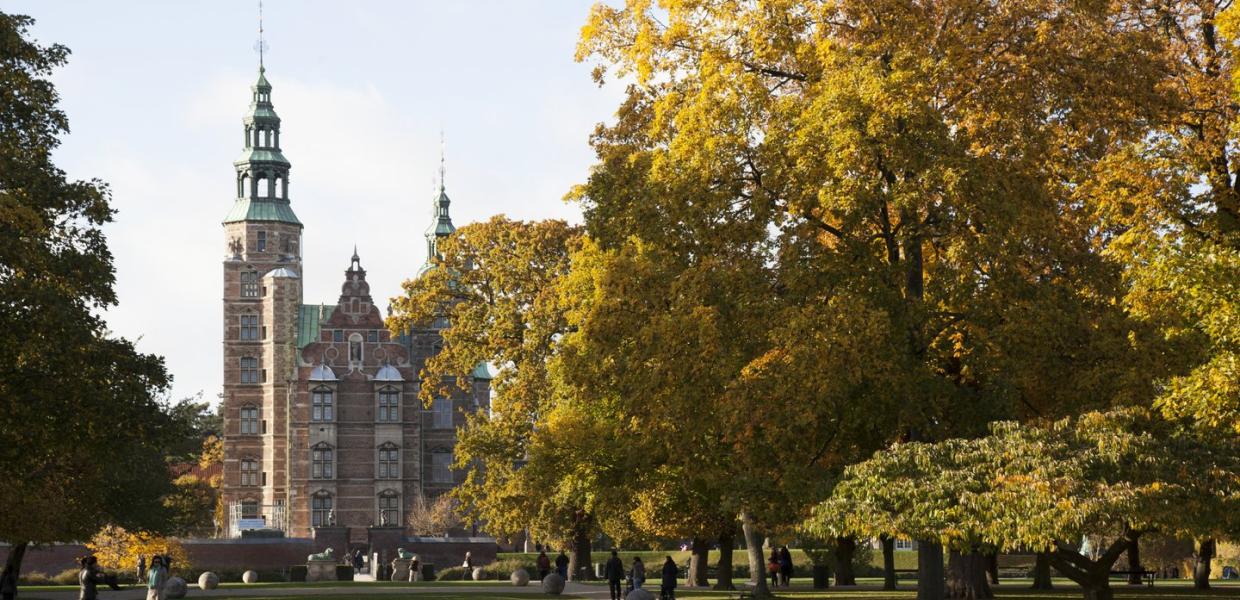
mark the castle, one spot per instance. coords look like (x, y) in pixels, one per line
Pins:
(322, 421)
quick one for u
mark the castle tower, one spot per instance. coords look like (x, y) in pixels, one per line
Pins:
(441, 223)
(262, 294)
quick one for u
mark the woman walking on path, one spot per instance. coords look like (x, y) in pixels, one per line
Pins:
(544, 565)
(772, 567)
(156, 577)
(639, 572)
(785, 565)
(668, 590)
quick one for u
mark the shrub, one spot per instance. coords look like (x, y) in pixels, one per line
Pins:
(297, 573)
(451, 574)
(35, 578)
(67, 577)
(344, 573)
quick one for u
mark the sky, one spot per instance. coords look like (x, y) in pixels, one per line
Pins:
(155, 93)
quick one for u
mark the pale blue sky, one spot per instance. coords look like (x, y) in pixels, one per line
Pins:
(155, 92)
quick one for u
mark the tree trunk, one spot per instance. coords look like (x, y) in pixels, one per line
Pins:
(966, 576)
(698, 560)
(1092, 575)
(1134, 558)
(579, 556)
(889, 562)
(845, 548)
(13, 565)
(753, 545)
(724, 580)
(1201, 570)
(992, 566)
(1042, 572)
(1098, 592)
(930, 571)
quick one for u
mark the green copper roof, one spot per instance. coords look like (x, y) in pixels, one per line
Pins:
(250, 155)
(308, 318)
(262, 79)
(246, 209)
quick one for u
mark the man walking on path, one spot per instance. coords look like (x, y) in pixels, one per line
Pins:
(614, 572)
(561, 565)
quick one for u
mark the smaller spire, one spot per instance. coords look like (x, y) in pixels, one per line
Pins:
(442, 170)
(261, 45)
(355, 263)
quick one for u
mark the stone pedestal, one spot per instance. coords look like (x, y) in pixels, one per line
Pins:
(321, 570)
(400, 569)
(336, 538)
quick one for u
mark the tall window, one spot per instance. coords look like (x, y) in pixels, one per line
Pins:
(249, 284)
(442, 409)
(320, 510)
(389, 405)
(249, 419)
(389, 462)
(249, 369)
(249, 327)
(321, 404)
(262, 241)
(249, 472)
(441, 467)
(389, 508)
(321, 459)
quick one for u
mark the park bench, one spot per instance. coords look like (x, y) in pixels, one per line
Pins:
(1148, 576)
(912, 572)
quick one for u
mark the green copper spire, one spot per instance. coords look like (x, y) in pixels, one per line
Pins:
(262, 170)
(441, 222)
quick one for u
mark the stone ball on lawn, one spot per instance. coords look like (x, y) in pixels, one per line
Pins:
(553, 584)
(175, 588)
(208, 581)
(639, 594)
(520, 578)
(479, 574)
(249, 577)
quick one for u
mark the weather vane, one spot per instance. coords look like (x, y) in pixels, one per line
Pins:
(261, 45)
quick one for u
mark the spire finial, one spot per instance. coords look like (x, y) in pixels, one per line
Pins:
(441, 160)
(355, 252)
(261, 44)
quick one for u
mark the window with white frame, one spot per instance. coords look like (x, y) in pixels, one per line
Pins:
(903, 544)
(322, 404)
(441, 467)
(322, 458)
(389, 462)
(249, 420)
(249, 327)
(442, 410)
(389, 405)
(320, 509)
(249, 284)
(249, 472)
(249, 369)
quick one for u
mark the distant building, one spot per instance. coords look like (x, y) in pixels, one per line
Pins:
(322, 419)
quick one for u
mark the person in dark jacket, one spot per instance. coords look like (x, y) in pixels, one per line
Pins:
(561, 565)
(785, 566)
(614, 573)
(668, 590)
(639, 572)
(358, 562)
(544, 565)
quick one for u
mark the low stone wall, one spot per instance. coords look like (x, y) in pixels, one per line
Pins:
(252, 553)
(49, 560)
(450, 551)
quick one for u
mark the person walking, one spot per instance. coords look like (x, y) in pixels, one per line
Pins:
(141, 569)
(358, 563)
(614, 572)
(772, 567)
(156, 578)
(561, 565)
(544, 565)
(639, 572)
(414, 568)
(667, 591)
(785, 565)
(468, 566)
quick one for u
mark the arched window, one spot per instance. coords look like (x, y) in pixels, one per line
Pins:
(322, 404)
(389, 462)
(249, 284)
(320, 509)
(249, 472)
(249, 420)
(389, 405)
(389, 508)
(322, 458)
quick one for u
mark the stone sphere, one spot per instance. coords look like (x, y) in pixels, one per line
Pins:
(175, 587)
(553, 584)
(208, 581)
(639, 594)
(249, 577)
(479, 574)
(520, 578)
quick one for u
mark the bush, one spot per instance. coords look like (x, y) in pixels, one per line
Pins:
(67, 577)
(35, 578)
(297, 573)
(344, 573)
(451, 574)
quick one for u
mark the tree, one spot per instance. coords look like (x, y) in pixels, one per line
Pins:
(432, 517)
(79, 419)
(1044, 488)
(116, 548)
(905, 170)
(495, 284)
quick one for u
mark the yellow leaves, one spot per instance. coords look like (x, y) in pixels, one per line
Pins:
(119, 549)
